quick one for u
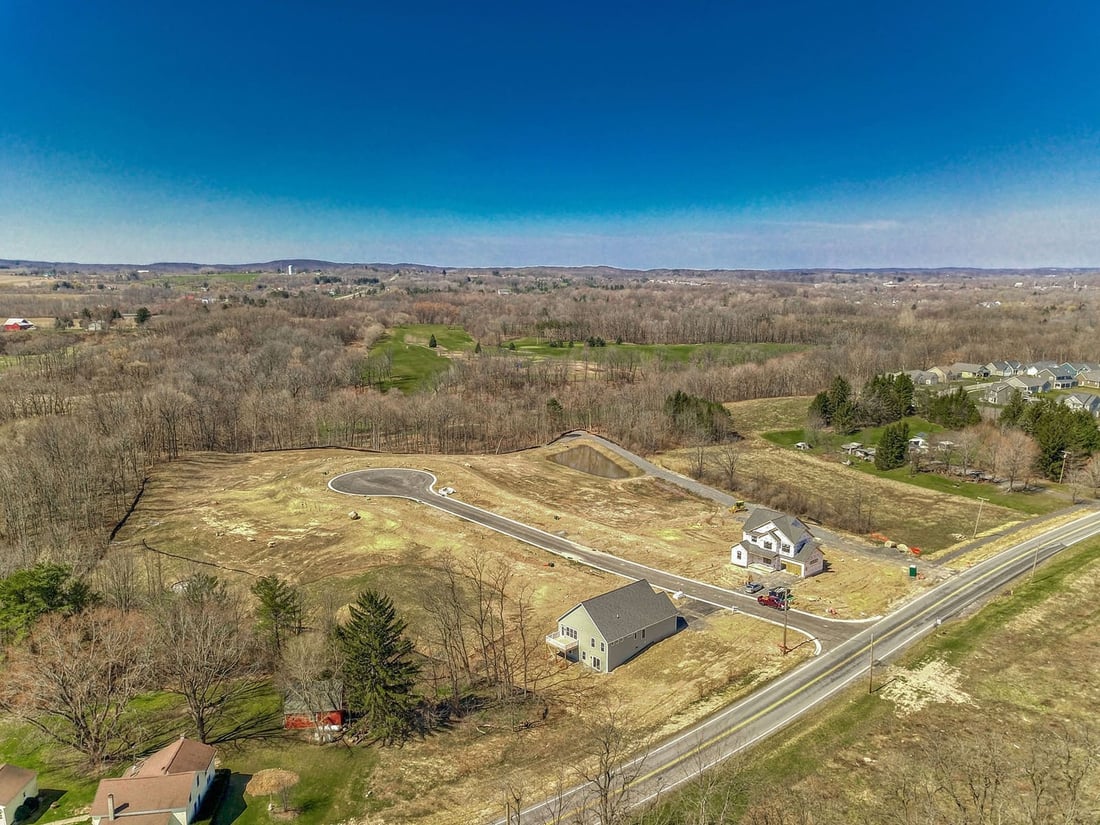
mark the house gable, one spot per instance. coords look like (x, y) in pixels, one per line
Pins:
(776, 540)
(606, 630)
(17, 785)
(167, 787)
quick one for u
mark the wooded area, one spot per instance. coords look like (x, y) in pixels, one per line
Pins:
(161, 369)
(89, 413)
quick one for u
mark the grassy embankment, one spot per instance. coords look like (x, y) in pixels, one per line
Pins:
(1032, 503)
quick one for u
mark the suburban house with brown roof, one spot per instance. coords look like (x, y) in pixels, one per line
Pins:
(779, 542)
(166, 788)
(17, 785)
(607, 630)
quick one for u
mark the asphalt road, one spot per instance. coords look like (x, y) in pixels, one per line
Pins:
(739, 726)
(848, 647)
(417, 485)
(690, 484)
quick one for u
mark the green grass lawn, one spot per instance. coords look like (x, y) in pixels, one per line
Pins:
(413, 363)
(67, 785)
(64, 786)
(719, 354)
(333, 786)
(829, 444)
(237, 278)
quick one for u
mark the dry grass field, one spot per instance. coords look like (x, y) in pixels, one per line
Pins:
(993, 698)
(935, 521)
(258, 514)
(273, 513)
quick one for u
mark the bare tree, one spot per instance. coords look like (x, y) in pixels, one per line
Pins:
(725, 459)
(1016, 456)
(614, 762)
(207, 655)
(75, 676)
(1090, 474)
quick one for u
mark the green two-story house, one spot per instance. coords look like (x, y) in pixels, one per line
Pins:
(607, 630)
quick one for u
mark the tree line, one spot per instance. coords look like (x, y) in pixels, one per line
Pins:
(80, 651)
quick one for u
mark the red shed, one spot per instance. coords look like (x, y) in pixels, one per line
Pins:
(314, 706)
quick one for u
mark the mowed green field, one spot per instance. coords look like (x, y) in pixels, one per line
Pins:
(236, 278)
(725, 354)
(413, 364)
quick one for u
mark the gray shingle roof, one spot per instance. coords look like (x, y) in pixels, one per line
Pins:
(791, 527)
(628, 609)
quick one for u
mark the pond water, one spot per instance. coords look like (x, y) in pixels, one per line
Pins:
(590, 461)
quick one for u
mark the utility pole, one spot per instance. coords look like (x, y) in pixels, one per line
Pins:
(1065, 456)
(786, 609)
(871, 665)
(981, 501)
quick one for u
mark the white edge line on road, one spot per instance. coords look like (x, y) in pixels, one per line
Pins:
(920, 631)
(584, 549)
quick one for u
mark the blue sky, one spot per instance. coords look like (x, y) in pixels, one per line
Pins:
(691, 134)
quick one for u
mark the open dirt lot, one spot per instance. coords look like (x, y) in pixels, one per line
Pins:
(272, 513)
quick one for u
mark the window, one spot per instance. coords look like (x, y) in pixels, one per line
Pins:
(568, 631)
(766, 544)
(643, 632)
(601, 647)
(595, 663)
(591, 642)
(584, 654)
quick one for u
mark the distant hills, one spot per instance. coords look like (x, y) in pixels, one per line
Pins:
(306, 265)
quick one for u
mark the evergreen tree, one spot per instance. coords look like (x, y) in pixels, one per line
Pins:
(820, 409)
(27, 594)
(847, 418)
(903, 392)
(953, 410)
(1058, 430)
(893, 447)
(379, 671)
(840, 392)
(698, 417)
(1013, 411)
(432, 342)
(279, 613)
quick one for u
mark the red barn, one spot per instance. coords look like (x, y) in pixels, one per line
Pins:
(14, 324)
(315, 706)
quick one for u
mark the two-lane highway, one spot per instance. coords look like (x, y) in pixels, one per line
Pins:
(737, 727)
(729, 731)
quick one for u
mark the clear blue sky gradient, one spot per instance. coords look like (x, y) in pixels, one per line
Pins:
(693, 134)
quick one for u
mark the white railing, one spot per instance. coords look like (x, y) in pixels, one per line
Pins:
(560, 642)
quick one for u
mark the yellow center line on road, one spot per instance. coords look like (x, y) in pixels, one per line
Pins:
(858, 654)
